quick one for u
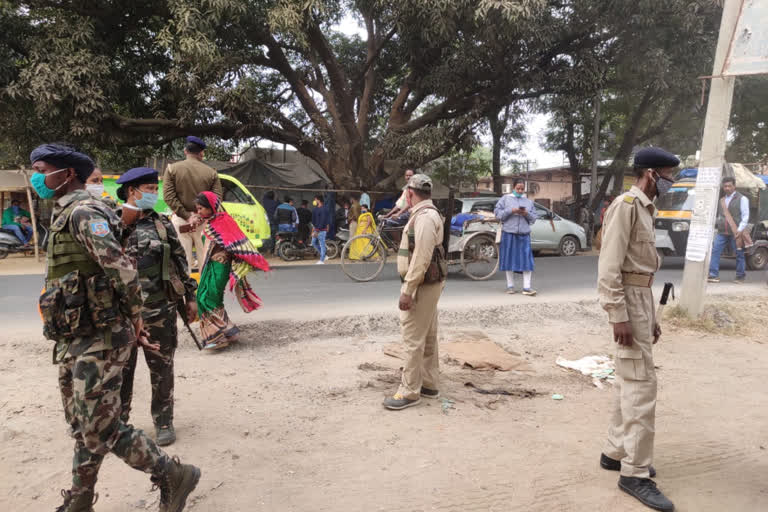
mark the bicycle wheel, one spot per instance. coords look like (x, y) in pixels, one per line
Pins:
(480, 257)
(331, 249)
(363, 258)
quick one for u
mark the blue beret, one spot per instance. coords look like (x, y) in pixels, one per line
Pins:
(654, 158)
(196, 140)
(138, 174)
(63, 157)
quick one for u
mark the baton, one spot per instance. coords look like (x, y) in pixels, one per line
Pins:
(668, 287)
(182, 310)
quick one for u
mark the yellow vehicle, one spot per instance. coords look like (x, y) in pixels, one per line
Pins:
(237, 201)
(675, 210)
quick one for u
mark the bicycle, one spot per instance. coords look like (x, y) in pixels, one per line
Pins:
(473, 248)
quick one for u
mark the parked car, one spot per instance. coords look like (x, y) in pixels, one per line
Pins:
(549, 232)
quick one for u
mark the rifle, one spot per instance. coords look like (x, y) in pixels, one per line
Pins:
(181, 307)
(668, 287)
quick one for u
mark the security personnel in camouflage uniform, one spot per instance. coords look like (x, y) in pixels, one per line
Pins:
(627, 263)
(91, 308)
(153, 244)
(422, 268)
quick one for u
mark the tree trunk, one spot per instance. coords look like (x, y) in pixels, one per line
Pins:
(498, 126)
(619, 164)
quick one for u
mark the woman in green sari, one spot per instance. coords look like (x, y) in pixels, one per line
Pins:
(229, 257)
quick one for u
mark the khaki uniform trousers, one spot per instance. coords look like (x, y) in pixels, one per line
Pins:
(419, 330)
(188, 240)
(633, 418)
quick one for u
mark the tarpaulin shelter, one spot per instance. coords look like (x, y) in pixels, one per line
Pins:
(18, 181)
(284, 179)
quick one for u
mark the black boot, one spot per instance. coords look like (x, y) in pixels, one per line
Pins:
(644, 489)
(615, 465)
(176, 481)
(82, 502)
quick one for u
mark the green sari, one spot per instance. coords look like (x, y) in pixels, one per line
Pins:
(216, 328)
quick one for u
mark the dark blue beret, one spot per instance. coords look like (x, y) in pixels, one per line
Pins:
(63, 157)
(654, 158)
(196, 140)
(138, 176)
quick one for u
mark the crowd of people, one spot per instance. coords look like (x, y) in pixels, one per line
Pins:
(118, 276)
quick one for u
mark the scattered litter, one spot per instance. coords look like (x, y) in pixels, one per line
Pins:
(518, 392)
(447, 404)
(600, 368)
(557, 396)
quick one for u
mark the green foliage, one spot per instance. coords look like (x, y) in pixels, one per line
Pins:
(461, 169)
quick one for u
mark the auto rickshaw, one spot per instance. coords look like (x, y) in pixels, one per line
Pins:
(675, 211)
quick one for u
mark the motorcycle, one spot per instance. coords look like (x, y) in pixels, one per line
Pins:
(289, 247)
(10, 243)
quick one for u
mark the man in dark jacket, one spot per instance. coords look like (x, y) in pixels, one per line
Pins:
(305, 219)
(731, 223)
(321, 224)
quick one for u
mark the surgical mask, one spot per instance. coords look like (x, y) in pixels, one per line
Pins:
(662, 185)
(517, 194)
(38, 183)
(314, 203)
(15, 208)
(146, 201)
(95, 189)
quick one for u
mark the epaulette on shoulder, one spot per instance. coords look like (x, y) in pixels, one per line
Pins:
(629, 199)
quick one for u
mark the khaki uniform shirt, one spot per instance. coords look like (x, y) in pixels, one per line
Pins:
(428, 234)
(629, 245)
(184, 180)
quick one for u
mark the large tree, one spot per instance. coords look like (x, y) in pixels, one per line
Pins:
(649, 92)
(141, 72)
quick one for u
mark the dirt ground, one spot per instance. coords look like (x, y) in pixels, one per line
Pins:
(291, 420)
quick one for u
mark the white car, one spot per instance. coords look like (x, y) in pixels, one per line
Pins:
(549, 232)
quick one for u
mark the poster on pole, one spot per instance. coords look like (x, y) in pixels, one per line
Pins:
(748, 50)
(702, 226)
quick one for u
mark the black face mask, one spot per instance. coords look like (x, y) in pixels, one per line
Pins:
(662, 185)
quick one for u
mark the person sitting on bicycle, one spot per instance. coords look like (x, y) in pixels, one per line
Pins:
(400, 214)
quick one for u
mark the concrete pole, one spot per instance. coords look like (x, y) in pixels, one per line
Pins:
(712, 155)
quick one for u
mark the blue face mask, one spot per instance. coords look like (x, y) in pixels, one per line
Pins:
(147, 201)
(38, 183)
(517, 194)
(15, 209)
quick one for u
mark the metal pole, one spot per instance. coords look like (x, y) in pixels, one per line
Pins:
(712, 160)
(34, 218)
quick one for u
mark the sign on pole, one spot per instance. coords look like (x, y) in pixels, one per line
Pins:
(706, 193)
(748, 49)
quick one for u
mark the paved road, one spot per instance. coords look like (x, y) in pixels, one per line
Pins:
(314, 291)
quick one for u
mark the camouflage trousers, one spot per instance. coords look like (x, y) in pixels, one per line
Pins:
(162, 330)
(90, 391)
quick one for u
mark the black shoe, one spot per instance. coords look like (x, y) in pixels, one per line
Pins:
(399, 402)
(165, 435)
(615, 465)
(429, 393)
(644, 489)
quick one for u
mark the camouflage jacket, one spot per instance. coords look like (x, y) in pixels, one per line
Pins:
(97, 229)
(144, 245)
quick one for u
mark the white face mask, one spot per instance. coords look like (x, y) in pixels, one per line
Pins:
(95, 189)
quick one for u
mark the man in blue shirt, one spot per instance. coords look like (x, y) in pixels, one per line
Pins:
(321, 223)
(732, 220)
(286, 216)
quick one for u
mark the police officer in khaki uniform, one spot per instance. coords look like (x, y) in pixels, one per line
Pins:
(421, 264)
(182, 183)
(627, 263)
